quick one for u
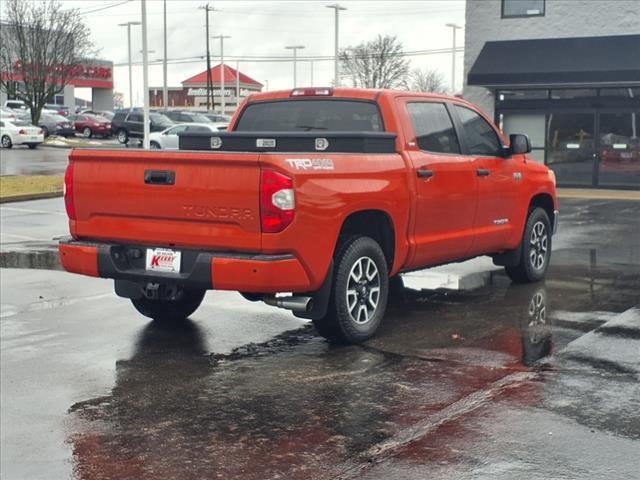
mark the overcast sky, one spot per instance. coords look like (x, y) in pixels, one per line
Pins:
(264, 28)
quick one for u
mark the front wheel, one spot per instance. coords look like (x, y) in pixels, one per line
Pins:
(359, 292)
(185, 303)
(155, 146)
(6, 141)
(535, 249)
(86, 132)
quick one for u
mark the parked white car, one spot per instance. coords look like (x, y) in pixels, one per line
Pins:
(19, 132)
(168, 139)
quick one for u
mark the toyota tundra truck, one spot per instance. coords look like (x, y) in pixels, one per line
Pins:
(312, 201)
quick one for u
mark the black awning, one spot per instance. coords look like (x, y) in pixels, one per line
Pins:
(551, 61)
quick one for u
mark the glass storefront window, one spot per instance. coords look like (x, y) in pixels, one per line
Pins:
(568, 93)
(630, 92)
(570, 147)
(510, 95)
(620, 148)
(531, 124)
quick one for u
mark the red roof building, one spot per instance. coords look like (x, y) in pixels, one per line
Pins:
(193, 94)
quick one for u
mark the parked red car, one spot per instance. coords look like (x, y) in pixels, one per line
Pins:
(90, 125)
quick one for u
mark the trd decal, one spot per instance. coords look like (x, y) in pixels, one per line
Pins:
(310, 163)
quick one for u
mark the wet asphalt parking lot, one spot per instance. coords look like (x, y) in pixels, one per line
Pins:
(498, 382)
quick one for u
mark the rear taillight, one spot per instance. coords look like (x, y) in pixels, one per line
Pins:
(68, 192)
(22, 131)
(277, 201)
(312, 92)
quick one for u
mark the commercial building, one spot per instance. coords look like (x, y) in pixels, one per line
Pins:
(193, 93)
(567, 73)
(92, 73)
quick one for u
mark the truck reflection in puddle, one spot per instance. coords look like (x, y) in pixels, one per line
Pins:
(296, 406)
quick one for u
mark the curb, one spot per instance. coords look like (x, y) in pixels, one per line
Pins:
(45, 259)
(598, 194)
(30, 196)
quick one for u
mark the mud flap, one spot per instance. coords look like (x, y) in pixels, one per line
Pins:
(510, 258)
(320, 299)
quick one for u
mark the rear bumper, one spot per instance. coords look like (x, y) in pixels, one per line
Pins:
(243, 272)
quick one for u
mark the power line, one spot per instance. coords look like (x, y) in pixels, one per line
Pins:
(279, 58)
(104, 7)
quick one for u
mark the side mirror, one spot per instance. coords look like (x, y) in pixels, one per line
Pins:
(519, 144)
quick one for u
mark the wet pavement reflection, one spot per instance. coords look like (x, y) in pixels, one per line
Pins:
(297, 407)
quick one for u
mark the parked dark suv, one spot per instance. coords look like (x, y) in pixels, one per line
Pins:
(126, 125)
(187, 117)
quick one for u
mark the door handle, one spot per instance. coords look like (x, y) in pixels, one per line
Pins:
(422, 173)
(159, 177)
(483, 172)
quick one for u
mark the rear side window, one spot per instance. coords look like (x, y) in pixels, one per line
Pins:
(479, 137)
(433, 127)
(311, 115)
(135, 117)
(197, 129)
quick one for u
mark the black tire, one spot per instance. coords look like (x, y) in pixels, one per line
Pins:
(123, 136)
(346, 322)
(86, 132)
(535, 249)
(155, 146)
(6, 141)
(170, 310)
(32, 145)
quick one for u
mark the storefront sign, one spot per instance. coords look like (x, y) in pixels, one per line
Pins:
(228, 92)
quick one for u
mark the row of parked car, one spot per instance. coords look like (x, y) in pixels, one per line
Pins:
(125, 124)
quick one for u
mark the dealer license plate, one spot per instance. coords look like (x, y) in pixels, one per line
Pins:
(33, 139)
(163, 260)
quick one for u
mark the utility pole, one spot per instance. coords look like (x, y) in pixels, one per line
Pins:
(266, 85)
(454, 27)
(165, 91)
(128, 25)
(207, 8)
(295, 49)
(222, 89)
(336, 64)
(145, 76)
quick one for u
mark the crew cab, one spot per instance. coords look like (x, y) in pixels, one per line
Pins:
(312, 201)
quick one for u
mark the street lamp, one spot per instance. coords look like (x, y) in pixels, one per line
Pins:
(336, 66)
(145, 76)
(222, 89)
(295, 49)
(454, 27)
(128, 25)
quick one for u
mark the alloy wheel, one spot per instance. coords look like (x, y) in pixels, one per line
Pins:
(363, 290)
(539, 243)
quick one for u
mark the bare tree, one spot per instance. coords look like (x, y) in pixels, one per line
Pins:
(378, 63)
(42, 46)
(426, 80)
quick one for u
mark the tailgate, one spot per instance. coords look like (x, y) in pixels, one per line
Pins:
(207, 200)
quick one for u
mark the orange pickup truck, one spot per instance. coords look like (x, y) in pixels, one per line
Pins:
(311, 202)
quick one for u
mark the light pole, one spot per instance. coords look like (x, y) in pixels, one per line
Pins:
(295, 49)
(336, 66)
(311, 62)
(222, 90)
(165, 91)
(145, 75)
(237, 84)
(266, 85)
(454, 27)
(128, 25)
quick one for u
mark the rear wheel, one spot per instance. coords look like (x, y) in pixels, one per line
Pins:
(45, 131)
(32, 145)
(86, 132)
(535, 249)
(6, 141)
(185, 303)
(123, 136)
(359, 292)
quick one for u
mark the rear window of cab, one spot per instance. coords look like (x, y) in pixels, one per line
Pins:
(311, 115)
